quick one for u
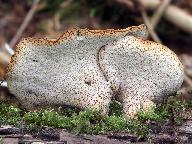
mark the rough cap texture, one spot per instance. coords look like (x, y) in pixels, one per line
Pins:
(85, 68)
(141, 72)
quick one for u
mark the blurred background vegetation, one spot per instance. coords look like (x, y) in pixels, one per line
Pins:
(53, 17)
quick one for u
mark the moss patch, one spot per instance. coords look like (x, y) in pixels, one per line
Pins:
(87, 121)
(92, 122)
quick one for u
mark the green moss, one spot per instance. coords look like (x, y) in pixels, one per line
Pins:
(87, 121)
(9, 114)
(92, 122)
(115, 108)
(153, 114)
(169, 109)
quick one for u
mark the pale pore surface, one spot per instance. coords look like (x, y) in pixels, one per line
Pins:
(64, 74)
(145, 72)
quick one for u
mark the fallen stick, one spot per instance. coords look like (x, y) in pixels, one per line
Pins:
(24, 24)
(188, 80)
(149, 27)
(155, 20)
(173, 14)
(159, 13)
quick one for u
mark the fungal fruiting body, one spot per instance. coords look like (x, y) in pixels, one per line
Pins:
(145, 71)
(86, 68)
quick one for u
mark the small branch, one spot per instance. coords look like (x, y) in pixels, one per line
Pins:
(149, 26)
(159, 13)
(4, 58)
(188, 80)
(56, 21)
(128, 3)
(24, 24)
(173, 14)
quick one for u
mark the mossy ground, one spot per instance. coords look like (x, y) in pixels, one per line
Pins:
(92, 122)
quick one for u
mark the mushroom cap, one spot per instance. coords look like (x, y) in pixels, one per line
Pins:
(64, 71)
(141, 68)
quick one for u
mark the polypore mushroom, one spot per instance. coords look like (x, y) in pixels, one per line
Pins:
(85, 68)
(144, 71)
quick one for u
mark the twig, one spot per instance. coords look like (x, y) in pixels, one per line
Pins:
(128, 3)
(4, 58)
(188, 80)
(149, 26)
(56, 21)
(159, 13)
(24, 24)
(66, 3)
(146, 21)
(173, 14)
